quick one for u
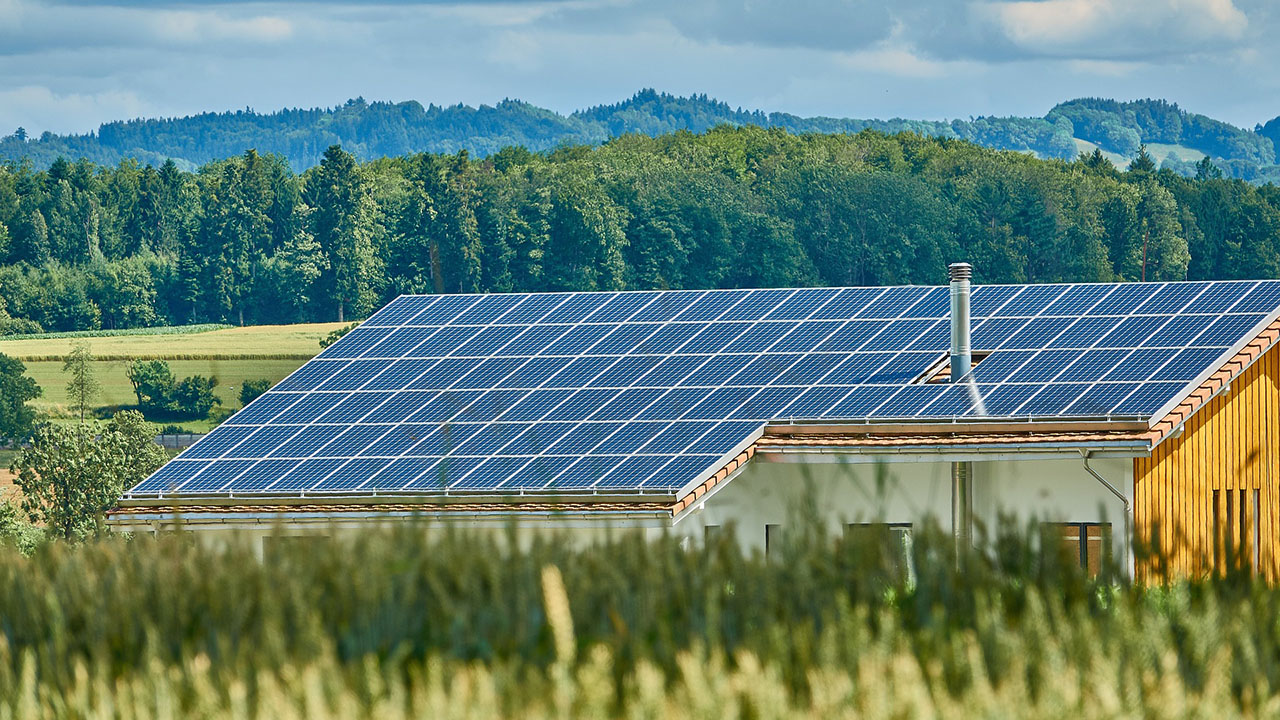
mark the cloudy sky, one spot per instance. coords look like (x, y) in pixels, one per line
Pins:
(67, 65)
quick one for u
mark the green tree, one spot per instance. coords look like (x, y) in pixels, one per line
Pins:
(194, 396)
(343, 223)
(16, 390)
(152, 383)
(71, 475)
(83, 387)
(250, 390)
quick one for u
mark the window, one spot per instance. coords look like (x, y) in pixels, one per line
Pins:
(1088, 542)
(1237, 536)
(772, 538)
(893, 538)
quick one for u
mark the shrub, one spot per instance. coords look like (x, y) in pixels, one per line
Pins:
(251, 389)
(159, 394)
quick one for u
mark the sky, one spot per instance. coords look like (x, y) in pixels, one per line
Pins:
(69, 65)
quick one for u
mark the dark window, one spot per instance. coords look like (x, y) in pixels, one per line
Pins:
(772, 538)
(1237, 529)
(1088, 543)
(894, 540)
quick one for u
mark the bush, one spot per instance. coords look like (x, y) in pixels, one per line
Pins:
(160, 395)
(251, 389)
(194, 397)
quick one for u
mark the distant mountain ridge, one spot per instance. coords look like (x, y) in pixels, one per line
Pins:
(378, 129)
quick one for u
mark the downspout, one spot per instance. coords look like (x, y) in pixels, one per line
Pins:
(961, 363)
(1124, 499)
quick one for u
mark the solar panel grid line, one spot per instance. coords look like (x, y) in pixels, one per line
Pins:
(835, 330)
(1031, 357)
(1132, 313)
(551, 481)
(1268, 319)
(391, 307)
(1170, 318)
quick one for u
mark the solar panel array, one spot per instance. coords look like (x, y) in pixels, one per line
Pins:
(647, 391)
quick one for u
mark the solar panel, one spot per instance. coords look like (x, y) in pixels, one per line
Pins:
(647, 390)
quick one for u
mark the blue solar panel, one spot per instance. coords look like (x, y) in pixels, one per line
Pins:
(802, 304)
(400, 472)
(814, 402)
(354, 407)
(215, 444)
(307, 441)
(987, 299)
(668, 305)
(354, 375)
(444, 310)
(310, 375)
(710, 306)
(357, 342)
(263, 441)
(487, 310)
(399, 343)
(307, 474)
(759, 337)
(261, 475)
(757, 305)
(580, 372)
(517, 389)
(533, 309)
(676, 438)
(353, 474)
(401, 310)
(490, 474)
(622, 307)
(633, 471)
(445, 340)
(444, 373)
(445, 406)
(400, 374)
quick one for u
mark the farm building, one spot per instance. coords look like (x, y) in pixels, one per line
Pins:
(1091, 408)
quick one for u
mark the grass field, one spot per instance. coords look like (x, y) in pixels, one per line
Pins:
(232, 355)
(394, 625)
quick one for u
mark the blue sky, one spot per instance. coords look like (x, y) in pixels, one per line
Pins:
(68, 65)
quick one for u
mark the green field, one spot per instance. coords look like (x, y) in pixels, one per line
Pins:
(232, 355)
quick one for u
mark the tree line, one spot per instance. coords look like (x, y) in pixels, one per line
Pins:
(385, 129)
(247, 240)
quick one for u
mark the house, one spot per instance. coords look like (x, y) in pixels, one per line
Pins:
(1093, 408)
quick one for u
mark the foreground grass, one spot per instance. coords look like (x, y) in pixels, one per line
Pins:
(392, 625)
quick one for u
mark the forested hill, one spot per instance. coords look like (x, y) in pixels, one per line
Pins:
(247, 240)
(1177, 139)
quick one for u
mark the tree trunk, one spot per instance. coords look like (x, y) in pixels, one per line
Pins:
(340, 318)
(242, 317)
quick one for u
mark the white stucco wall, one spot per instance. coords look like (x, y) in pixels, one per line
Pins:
(857, 489)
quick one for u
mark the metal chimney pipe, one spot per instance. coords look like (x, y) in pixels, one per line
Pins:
(961, 363)
(961, 352)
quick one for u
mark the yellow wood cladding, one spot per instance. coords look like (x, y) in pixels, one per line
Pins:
(1213, 489)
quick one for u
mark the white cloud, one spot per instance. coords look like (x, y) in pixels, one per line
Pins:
(192, 27)
(36, 107)
(1092, 29)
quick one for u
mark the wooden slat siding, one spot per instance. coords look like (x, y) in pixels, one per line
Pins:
(1230, 443)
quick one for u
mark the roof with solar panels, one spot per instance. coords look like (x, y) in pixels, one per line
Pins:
(647, 394)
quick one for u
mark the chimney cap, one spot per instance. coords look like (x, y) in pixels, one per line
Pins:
(960, 271)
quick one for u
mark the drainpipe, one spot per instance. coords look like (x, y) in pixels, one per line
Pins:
(961, 362)
(1128, 507)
